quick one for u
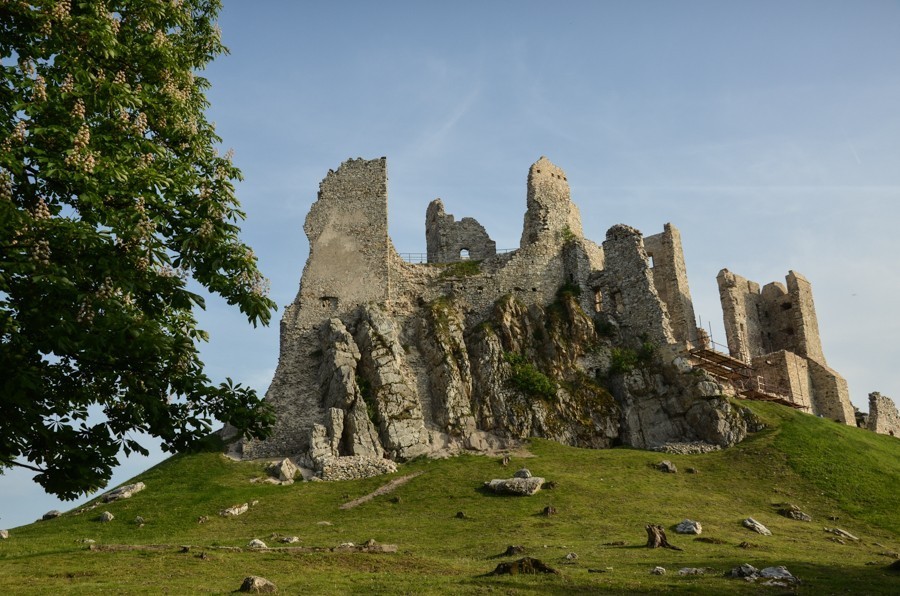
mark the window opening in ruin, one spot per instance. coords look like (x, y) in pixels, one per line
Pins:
(787, 306)
(464, 254)
(650, 260)
(616, 299)
(598, 300)
(789, 331)
(329, 302)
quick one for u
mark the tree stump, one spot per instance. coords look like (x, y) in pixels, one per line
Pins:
(656, 537)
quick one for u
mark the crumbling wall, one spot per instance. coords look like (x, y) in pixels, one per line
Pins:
(883, 415)
(671, 282)
(349, 252)
(448, 240)
(551, 215)
(627, 287)
(831, 395)
(805, 340)
(777, 331)
(784, 371)
(776, 318)
(741, 309)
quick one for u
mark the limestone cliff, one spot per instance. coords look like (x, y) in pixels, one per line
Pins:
(385, 360)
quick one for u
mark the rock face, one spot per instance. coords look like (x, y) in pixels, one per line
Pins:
(585, 344)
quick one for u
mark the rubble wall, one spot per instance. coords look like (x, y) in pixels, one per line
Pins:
(883, 415)
(671, 282)
(783, 370)
(446, 239)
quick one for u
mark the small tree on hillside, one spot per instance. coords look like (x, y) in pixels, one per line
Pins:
(112, 195)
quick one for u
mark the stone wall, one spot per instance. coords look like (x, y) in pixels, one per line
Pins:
(671, 282)
(448, 240)
(627, 288)
(784, 371)
(883, 415)
(776, 318)
(551, 215)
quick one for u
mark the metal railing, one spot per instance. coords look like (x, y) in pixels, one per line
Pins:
(420, 258)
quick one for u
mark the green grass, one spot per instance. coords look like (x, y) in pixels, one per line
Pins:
(601, 497)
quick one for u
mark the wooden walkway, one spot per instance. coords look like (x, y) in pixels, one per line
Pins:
(748, 384)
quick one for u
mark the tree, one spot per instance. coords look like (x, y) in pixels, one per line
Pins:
(113, 198)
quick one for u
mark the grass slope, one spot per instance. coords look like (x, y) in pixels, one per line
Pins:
(602, 497)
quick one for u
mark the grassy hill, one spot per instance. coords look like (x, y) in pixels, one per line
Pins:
(603, 500)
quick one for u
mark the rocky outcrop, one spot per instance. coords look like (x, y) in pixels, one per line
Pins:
(382, 360)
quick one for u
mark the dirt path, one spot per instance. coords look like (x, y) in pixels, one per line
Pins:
(381, 490)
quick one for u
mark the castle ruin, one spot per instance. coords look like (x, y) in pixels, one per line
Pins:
(590, 345)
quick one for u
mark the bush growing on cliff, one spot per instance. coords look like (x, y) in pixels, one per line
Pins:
(528, 379)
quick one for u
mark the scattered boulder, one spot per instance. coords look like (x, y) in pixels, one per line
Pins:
(572, 557)
(692, 471)
(524, 487)
(691, 571)
(106, 516)
(757, 527)
(505, 461)
(256, 543)
(791, 511)
(324, 523)
(235, 510)
(4, 534)
(202, 519)
(548, 511)
(658, 570)
(775, 576)
(290, 539)
(124, 492)
(52, 514)
(140, 521)
(257, 585)
(842, 534)
(460, 515)
(745, 570)
(689, 526)
(522, 473)
(667, 466)
(525, 565)
(285, 470)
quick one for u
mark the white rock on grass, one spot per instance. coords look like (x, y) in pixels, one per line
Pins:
(124, 492)
(757, 527)
(515, 486)
(658, 571)
(235, 510)
(257, 585)
(106, 516)
(4, 534)
(256, 543)
(689, 526)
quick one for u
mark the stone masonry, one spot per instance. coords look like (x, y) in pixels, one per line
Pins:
(448, 240)
(883, 415)
(776, 331)
(562, 338)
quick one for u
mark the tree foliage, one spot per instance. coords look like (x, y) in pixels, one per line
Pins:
(113, 198)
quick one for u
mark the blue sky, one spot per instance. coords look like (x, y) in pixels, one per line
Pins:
(767, 132)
